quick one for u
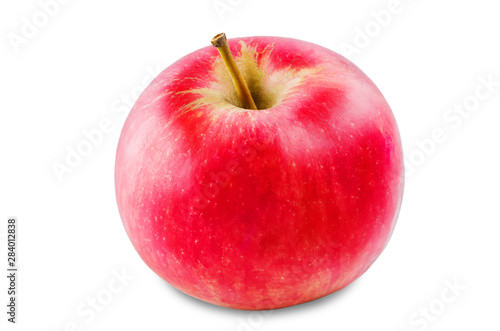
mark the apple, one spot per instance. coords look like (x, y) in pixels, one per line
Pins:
(261, 181)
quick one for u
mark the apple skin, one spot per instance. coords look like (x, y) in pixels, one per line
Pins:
(260, 209)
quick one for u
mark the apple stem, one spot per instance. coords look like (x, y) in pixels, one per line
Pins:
(240, 85)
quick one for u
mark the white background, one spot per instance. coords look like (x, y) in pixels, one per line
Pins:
(90, 54)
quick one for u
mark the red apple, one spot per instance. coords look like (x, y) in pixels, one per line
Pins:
(266, 208)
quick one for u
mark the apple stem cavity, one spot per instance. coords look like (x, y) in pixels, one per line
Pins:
(220, 42)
